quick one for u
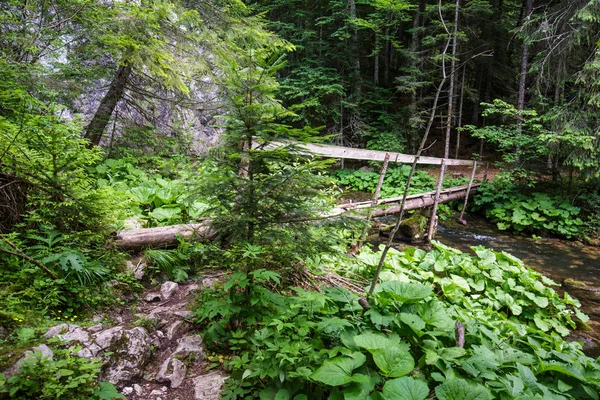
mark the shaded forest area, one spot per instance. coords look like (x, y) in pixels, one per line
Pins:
(118, 116)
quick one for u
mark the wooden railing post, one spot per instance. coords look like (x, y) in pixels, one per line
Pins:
(374, 202)
(462, 212)
(436, 201)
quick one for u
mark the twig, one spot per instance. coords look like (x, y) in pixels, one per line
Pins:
(24, 256)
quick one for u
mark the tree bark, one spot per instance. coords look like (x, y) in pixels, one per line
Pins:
(451, 90)
(164, 236)
(97, 125)
(460, 111)
(523, 77)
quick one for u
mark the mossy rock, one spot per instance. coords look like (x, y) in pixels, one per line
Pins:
(413, 229)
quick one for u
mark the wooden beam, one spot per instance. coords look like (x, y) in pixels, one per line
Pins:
(413, 202)
(326, 150)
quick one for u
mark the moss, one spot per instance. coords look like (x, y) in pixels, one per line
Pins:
(413, 229)
(574, 283)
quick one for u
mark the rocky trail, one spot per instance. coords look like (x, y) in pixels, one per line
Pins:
(149, 350)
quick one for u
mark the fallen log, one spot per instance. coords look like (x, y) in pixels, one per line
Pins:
(168, 235)
(164, 235)
(413, 202)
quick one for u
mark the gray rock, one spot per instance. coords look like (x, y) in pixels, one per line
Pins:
(182, 313)
(168, 289)
(156, 393)
(138, 389)
(190, 289)
(137, 270)
(95, 329)
(127, 390)
(152, 297)
(172, 371)
(190, 345)
(208, 387)
(176, 328)
(129, 353)
(39, 352)
(68, 333)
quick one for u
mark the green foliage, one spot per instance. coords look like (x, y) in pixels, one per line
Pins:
(506, 205)
(65, 375)
(393, 183)
(45, 151)
(517, 142)
(315, 345)
(159, 198)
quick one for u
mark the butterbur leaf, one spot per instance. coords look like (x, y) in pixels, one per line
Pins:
(107, 391)
(359, 390)
(434, 314)
(405, 292)
(282, 394)
(413, 320)
(393, 361)
(372, 341)
(338, 371)
(405, 388)
(460, 389)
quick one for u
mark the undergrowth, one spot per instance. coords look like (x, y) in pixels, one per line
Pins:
(300, 344)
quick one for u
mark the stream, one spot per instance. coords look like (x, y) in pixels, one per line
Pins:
(558, 259)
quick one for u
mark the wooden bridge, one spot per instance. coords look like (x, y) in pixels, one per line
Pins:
(379, 207)
(161, 236)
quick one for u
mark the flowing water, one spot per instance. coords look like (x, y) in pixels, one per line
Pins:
(557, 259)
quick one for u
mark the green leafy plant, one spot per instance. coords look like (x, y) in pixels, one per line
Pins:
(318, 345)
(504, 204)
(65, 375)
(393, 184)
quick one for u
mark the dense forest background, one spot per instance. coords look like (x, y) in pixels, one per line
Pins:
(127, 115)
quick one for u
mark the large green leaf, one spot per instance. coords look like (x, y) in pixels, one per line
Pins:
(405, 292)
(165, 213)
(372, 341)
(434, 314)
(460, 389)
(393, 361)
(405, 388)
(338, 371)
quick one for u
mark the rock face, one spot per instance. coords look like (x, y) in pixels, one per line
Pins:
(41, 351)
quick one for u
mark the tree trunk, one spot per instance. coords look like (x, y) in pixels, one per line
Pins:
(98, 124)
(451, 90)
(460, 111)
(523, 77)
(355, 51)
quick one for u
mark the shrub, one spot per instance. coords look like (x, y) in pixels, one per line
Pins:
(63, 376)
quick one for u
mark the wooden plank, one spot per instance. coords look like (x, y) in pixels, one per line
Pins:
(326, 150)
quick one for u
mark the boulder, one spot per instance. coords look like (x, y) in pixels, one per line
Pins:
(138, 270)
(124, 353)
(208, 387)
(172, 371)
(190, 345)
(129, 350)
(168, 289)
(583, 291)
(413, 229)
(68, 333)
(40, 352)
